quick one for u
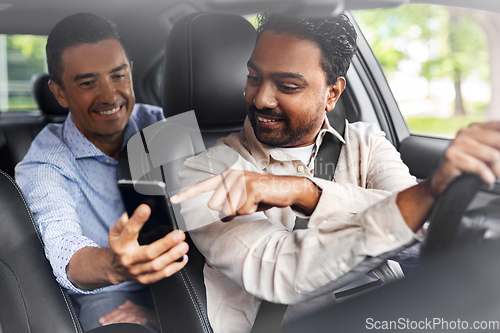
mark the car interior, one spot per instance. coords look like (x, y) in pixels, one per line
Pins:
(195, 58)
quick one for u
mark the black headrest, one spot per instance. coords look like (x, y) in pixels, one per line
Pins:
(46, 101)
(205, 68)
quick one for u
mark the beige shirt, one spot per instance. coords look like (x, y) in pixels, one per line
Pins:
(355, 227)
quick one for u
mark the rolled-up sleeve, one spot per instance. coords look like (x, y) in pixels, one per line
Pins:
(52, 197)
(271, 262)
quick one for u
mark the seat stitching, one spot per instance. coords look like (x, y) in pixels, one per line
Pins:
(37, 231)
(195, 300)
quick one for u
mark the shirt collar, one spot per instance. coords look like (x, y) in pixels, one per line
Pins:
(263, 153)
(83, 147)
(131, 129)
(328, 128)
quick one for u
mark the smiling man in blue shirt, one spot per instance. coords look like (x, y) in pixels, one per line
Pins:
(69, 179)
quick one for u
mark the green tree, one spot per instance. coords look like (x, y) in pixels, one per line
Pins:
(457, 43)
(26, 56)
(463, 50)
(491, 24)
(390, 31)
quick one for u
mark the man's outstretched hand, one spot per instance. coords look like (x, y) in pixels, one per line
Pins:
(244, 192)
(125, 260)
(146, 263)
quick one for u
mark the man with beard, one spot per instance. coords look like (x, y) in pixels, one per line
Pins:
(371, 210)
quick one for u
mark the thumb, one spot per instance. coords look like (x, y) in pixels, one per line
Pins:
(118, 227)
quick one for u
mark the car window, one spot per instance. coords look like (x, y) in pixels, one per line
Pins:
(437, 62)
(21, 56)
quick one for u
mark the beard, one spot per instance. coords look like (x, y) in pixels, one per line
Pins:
(285, 137)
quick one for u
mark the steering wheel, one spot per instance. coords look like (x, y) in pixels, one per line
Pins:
(446, 216)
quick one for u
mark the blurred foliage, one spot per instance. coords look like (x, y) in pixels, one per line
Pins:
(464, 47)
(458, 38)
(440, 127)
(389, 31)
(30, 46)
(25, 56)
(253, 20)
(22, 103)
(440, 42)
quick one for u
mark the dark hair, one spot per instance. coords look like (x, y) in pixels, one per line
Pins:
(335, 37)
(82, 28)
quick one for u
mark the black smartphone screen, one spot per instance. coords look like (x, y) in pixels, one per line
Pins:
(162, 219)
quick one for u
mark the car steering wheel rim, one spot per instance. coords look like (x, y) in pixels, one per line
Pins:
(446, 216)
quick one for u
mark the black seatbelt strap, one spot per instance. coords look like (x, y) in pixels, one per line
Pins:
(270, 315)
(358, 289)
(327, 157)
(325, 163)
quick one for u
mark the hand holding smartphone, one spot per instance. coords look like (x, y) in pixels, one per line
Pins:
(162, 218)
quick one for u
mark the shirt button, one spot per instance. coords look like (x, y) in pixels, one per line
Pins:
(107, 161)
(300, 168)
(343, 266)
(391, 238)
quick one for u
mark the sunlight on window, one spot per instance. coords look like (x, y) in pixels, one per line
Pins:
(21, 56)
(436, 60)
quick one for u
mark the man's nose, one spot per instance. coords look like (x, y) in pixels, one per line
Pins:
(266, 97)
(107, 93)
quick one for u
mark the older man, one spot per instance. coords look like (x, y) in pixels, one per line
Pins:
(69, 179)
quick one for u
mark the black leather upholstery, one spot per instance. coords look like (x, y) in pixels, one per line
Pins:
(15, 140)
(31, 300)
(205, 71)
(46, 101)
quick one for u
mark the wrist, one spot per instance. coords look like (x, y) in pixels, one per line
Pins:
(306, 195)
(429, 187)
(91, 268)
(112, 269)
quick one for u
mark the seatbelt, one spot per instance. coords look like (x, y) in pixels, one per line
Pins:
(270, 315)
(325, 163)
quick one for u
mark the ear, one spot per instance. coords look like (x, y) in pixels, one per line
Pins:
(333, 94)
(58, 93)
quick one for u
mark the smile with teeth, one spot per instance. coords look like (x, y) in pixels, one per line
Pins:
(110, 112)
(267, 120)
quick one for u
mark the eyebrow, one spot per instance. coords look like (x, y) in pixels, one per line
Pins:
(279, 75)
(119, 68)
(289, 75)
(90, 75)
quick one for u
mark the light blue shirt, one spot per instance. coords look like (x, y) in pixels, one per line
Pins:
(71, 188)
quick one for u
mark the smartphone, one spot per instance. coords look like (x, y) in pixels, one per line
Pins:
(162, 219)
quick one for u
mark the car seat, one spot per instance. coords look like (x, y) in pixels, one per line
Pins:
(205, 71)
(31, 300)
(45, 99)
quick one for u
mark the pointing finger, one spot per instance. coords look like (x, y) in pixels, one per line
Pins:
(192, 191)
